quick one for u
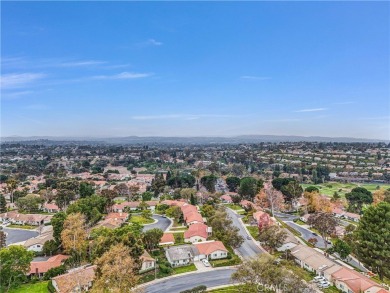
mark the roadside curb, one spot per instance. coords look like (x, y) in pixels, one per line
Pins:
(180, 275)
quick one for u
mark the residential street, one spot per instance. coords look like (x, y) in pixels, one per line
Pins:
(210, 278)
(163, 223)
(248, 249)
(18, 235)
(307, 234)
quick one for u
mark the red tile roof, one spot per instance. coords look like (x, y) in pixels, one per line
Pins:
(44, 266)
(196, 230)
(167, 237)
(209, 247)
(354, 280)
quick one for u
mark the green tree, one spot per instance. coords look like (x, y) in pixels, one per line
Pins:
(3, 204)
(58, 225)
(15, 264)
(92, 207)
(3, 238)
(50, 247)
(372, 243)
(209, 182)
(152, 238)
(249, 187)
(272, 236)
(30, 203)
(64, 197)
(174, 212)
(341, 248)
(147, 196)
(86, 189)
(192, 199)
(147, 214)
(158, 184)
(357, 198)
(12, 183)
(291, 192)
(325, 223)
(312, 189)
(233, 183)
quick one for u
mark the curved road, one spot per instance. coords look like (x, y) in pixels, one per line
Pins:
(162, 223)
(248, 249)
(177, 284)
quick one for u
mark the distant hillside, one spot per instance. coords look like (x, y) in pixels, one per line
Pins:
(187, 140)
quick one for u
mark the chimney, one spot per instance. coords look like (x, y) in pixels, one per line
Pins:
(36, 271)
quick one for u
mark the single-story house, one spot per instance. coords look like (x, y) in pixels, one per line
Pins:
(182, 255)
(211, 250)
(148, 262)
(193, 218)
(76, 280)
(133, 206)
(120, 216)
(352, 217)
(350, 281)
(36, 243)
(289, 243)
(39, 268)
(167, 239)
(310, 259)
(197, 232)
(226, 198)
(50, 208)
(25, 219)
(304, 218)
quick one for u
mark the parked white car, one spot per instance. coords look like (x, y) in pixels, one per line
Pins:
(206, 262)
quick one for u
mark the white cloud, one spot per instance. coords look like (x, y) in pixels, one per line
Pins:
(153, 42)
(17, 80)
(81, 63)
(311, 110)
(123, 75)
(252, 77)
(180, 116)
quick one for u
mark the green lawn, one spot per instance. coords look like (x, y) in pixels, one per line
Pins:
(235, 207)
(229, 289)
(331, 289)
(254, 231)
(185, 269)
(27, 227)
(140, 220)
(179, 237)
(329, 188)
(40, 287)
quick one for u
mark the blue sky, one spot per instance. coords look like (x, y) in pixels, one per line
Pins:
(202, 69)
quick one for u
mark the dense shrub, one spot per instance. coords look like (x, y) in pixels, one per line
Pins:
(197, 289)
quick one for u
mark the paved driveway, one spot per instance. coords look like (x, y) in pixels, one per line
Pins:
(162, 223)
(18, 235)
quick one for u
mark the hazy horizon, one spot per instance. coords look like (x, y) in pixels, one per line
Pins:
(176, 69)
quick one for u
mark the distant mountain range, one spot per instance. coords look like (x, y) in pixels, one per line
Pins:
(188, 140)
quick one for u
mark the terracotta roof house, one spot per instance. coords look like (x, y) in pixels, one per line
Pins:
(119, 216)
(167, 239)
(193, 218)
(76, 280)
(353, 282)
(211, 250)
(51, 208)
(148, 262)
(39, 268)
(26, 219)
(226, 198)
(197, 232)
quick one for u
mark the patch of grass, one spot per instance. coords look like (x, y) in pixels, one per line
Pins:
(229, 289)
(254, 231)
(329, 188)
(140, 220)
(27, 227)
(235, 207)
(231, 260)
(299, 222)
(185, 269)
(183, 228)
(332, 289)
(300, 272)
(179, 237)
(40, 287)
